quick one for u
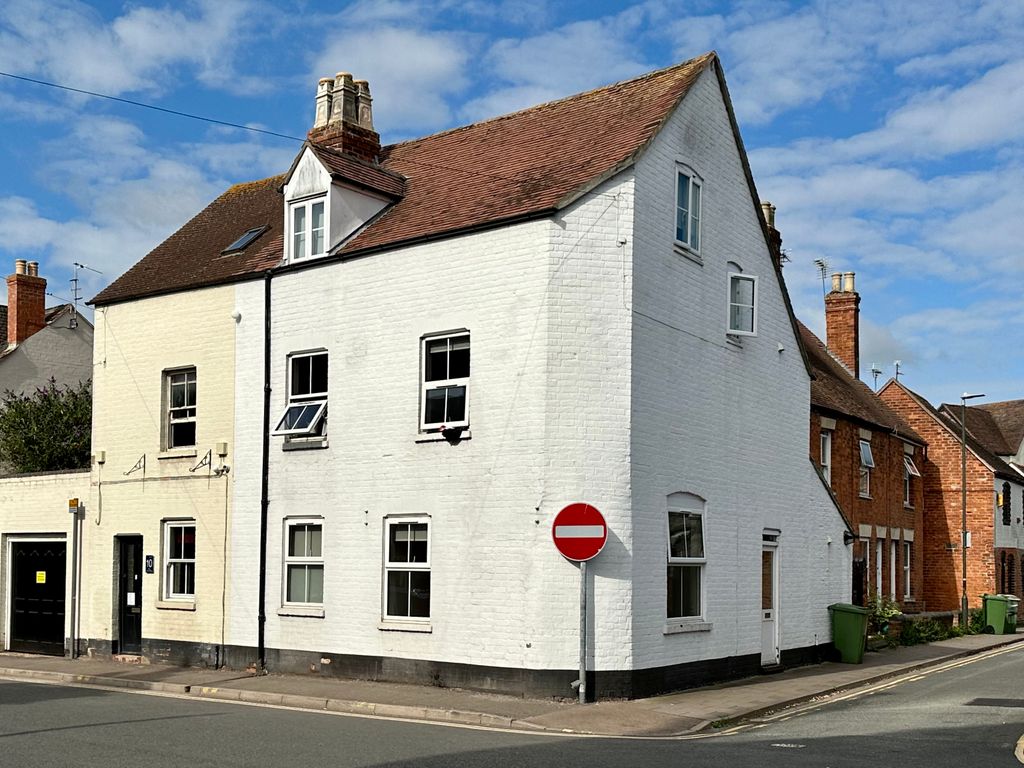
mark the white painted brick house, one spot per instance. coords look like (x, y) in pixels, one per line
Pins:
(454, 338)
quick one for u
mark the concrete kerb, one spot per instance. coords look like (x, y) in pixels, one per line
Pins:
(753, 715)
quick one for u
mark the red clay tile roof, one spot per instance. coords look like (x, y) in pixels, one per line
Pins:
(982, 426)
(834, 389)
(355, 171)
(1009, 417)
(191, 257)
(526, 163)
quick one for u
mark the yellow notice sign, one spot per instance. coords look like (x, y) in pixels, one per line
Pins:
(40, 577)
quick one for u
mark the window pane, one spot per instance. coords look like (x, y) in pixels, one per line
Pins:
(299, 231)
(458, 362)
(318, 229)
(683, 591)
(175, 543)
(190, 391)
(297, 541)
(434, 406)
(456, 404)
(318, 373)
(767, 580)
(182, 433)
(685, 534)
(296, 592)
(418, 543)
(682, 207)
(314, 540)
(315, 580)
(743, 291)
(866, 457)
(681, 217)
(188, 543)
(299, 245)
(183, 579)
(398, 548)
(300, 376)
(437, 360)
(741, 319)
(419, 594)
(695, 217)
(398, 593)
(305, 416)
(177, 394)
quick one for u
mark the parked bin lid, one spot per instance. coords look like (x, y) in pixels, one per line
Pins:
(848, 608)
(996, 598)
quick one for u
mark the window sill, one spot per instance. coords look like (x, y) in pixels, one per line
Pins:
(684, 250)
(401, 626)
(909, 507)
(865, 496)
(685, 626)
(437, 437)
(176, 605)
(309, 612)
(177, 453)
(736, 341)
(304, 444)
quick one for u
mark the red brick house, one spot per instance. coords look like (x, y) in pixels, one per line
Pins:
(995, 502)
(869, 456)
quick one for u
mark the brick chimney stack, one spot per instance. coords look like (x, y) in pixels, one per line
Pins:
(774, 236)
(344, 117)
(842, 321)
(26, 301)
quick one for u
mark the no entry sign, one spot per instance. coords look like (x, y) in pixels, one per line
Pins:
(579, 532)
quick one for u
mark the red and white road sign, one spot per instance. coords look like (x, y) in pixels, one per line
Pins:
(579, 532)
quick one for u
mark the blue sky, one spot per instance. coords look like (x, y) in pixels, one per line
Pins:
(889, 134)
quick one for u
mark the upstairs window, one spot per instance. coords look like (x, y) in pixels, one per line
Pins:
(688, 189)
(445, 381)
(742, 304)
(306, 412)
(826, 456)
(909, 471)
(867, 463)
(180, 396)
(309, 229)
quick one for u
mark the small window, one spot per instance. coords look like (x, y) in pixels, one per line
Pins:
(1006, 500)
(306, 412)
(309, 229)
(304, 563)
(445, 390)
(179, 560)
(686, 560)
(243, 242)
(867, 463)
(407, 569)
(826, 456)
(909, 472)
(742, 304)
(688, 194)
(180, 394)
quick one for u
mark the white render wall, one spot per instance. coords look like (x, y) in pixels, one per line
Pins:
(726, 421)
(1009, 536)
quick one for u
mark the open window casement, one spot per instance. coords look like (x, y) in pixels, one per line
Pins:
(301, 419)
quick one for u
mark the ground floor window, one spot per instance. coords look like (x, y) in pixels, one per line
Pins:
(686, 558)
(179, 560)
(407, 569)
(304, 562)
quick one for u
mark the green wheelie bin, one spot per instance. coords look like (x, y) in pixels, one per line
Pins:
(996, 608)
(849, 631)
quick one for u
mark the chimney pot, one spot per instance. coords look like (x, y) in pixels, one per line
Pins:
(344, 118)
(26, 301)
(33, 268)
(837, 282)
(323, 102)
(19, 267)
(769, 213)
(848, 282)
(842, 321)
(363, 104)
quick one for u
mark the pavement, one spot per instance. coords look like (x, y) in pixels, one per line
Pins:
(670, 715)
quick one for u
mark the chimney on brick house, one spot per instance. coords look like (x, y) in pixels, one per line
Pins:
(344, 117)
(842, 321)
(774, 236)
(26, 301)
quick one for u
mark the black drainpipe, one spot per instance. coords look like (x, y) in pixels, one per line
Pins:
(265, 487)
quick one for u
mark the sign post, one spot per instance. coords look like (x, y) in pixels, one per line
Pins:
(579, 532)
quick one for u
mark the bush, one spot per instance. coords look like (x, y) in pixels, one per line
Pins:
(46, 431)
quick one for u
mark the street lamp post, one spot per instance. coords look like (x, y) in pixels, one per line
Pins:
(964, 619)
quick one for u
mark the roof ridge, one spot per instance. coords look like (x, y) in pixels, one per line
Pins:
(703, 59)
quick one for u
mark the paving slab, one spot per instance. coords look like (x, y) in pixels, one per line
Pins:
(675, 714)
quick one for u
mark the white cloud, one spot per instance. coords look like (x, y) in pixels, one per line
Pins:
(412, 72)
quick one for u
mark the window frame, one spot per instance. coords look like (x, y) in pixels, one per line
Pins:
(867, 463)
(406, 566)
(288, 561)
(693, 222)
(696, 507)
(825, 455)
(307, 204)
(316, 400)
(167, 590)
(446, 384)
(733, 276)
(168, 417)
(908, 554)
(909, 470)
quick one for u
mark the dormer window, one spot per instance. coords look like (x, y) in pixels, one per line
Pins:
(309, 228)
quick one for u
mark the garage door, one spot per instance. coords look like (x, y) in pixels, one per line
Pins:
(37, 596)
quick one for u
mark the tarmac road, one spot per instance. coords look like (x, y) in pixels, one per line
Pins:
(969, 715)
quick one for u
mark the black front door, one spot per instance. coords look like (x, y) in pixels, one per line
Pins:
(129, 597)
(37, 596)
(860, 574)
